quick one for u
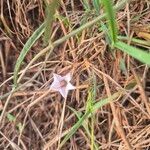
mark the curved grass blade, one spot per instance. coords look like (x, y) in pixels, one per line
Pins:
(134, 52)
(112, 23)
(36, 35)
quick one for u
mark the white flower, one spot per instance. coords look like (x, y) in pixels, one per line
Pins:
(62, 84)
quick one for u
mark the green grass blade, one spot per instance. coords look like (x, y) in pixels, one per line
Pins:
(135, 40)
(90, 99)
(134, 52)
(106, 33)
(74, 128)
(89, 106)
(88, 114)
(36, 35)
(78, 115)
(86, 5)
(103, 102)
(96, 4)
(84, 124)
(91, 94)
(112, 23)
(92, 132)
(50, 12)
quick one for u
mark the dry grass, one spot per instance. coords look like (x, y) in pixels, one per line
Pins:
(122, 125)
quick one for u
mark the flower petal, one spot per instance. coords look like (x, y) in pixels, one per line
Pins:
(67, 77)
(70, 87)
(54, 85)
(64, 92)
(57, 77)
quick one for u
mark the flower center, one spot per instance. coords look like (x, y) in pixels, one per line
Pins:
(63, 83)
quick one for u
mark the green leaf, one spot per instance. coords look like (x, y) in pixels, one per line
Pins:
(112, 23)
(11, 117)
(139, 54)
(36, 35)
(103, 102)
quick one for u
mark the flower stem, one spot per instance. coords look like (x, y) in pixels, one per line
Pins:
(61, 122)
